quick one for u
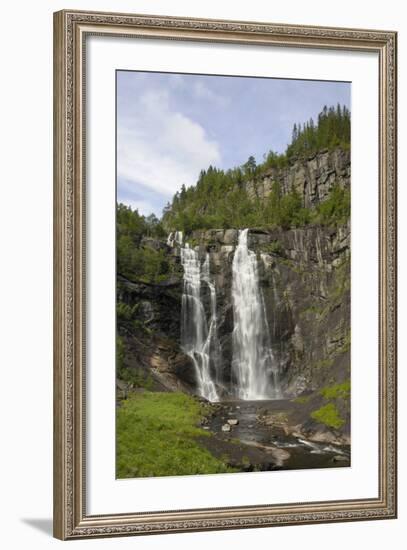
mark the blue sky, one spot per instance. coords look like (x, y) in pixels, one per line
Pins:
(170, 126)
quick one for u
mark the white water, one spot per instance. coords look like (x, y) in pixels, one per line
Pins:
(213, 341)
(253, 363)
(255, 371)
(175, 238)
(197, 338)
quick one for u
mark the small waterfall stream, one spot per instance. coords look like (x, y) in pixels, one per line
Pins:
(196, 337)
(213, 340)
(255, 372)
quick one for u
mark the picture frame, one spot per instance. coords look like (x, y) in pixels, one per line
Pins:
(72, 29)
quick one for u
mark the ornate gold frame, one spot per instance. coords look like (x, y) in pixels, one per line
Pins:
(70, 31)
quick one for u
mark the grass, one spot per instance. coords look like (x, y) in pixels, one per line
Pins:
(156, 436)
(302, 399)
(328, 415)
(338, 391)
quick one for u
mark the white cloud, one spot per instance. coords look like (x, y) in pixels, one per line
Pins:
(203, 92)
(144, 207)
(162, 148)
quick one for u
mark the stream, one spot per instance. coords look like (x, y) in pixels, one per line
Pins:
(263, 440)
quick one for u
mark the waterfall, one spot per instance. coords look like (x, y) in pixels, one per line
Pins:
(173, 238)
(254, 369)
(213, 341)
(197, 338)
(253, 363)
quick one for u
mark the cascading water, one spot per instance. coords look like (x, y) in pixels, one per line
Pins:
(254, 369)
(175, 237)
(213, 341)
(197, 338)
(253, 363)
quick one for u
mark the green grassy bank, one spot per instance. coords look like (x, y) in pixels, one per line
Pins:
(157, 436)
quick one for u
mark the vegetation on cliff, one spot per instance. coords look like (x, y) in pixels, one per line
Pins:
(134, 260)
(328, 414)
(331, 130)
(221, 199)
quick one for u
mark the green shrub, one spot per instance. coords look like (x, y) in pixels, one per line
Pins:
(137, 378)
(335, 210)
(125, 312)
(338, 391)
(328, 415)
(303, 399)
(133, 260)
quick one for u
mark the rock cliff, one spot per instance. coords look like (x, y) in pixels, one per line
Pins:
(312, 177)
(304, 279)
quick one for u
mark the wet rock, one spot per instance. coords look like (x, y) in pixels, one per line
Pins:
(233, 421)
(340, 458)
(230, 236)
(326, 436)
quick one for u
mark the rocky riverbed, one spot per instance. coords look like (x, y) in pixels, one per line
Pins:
(263, 436)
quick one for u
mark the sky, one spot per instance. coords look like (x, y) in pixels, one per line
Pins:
(171, 126)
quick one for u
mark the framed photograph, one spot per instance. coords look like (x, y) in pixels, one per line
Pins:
(225, 274)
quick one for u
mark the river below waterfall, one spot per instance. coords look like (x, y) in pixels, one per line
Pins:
(260, 438)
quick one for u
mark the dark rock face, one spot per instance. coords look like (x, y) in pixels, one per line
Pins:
(152, 339)
(305, 286)
(159, 305)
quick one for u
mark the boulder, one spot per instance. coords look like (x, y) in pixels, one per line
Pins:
(233, 421)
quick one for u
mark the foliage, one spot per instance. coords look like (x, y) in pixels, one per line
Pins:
(135, 259)
(126, 317)
(137, 378)
(274, 160)
(130, 223)
(156, 436)
(285, 210)
(273, 247)
(125, 313)
(332, 130)
(302, 399)
(337, 391)
(221, 198)
(329, 415)
(335, 210)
